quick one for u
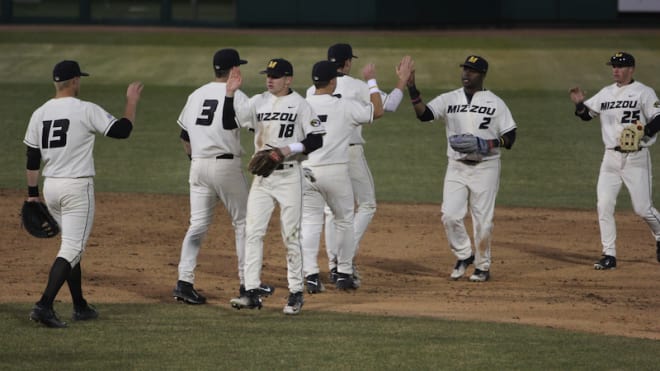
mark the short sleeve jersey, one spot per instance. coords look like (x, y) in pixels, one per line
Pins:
(485, 116)
(201, 117)
(277, 121)
(351, 88)
(340, 116)
(622, 106)
(64, 129)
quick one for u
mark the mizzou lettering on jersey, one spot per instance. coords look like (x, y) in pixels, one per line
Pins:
(277, 116)
(618, 104)
(456, 108)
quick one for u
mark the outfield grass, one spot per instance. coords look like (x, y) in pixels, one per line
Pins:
(553, 164)
(172, 336)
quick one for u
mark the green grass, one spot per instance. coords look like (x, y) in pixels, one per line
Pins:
(170, 336)
(554, 164)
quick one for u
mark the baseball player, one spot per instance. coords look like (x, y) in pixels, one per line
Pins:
(471, 113)
(280, 118)
(61, 133)
(215, 174)
(625, 102)
(361, 179)
(327, 176)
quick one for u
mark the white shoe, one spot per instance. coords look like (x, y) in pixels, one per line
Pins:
(480, 276)
(460, 267)
(294, 304)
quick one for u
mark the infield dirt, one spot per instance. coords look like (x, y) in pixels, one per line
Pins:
(542, 272)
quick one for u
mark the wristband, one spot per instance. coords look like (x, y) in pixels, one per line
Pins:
(372, 83)
(33, 191)
(374, 90)
(416, 100)
(296, 147)
(414, 93)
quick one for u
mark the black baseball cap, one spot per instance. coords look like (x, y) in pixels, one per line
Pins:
(324, 71)
(66, 70)
(278, 67)
(476, 63)
(225, 59)
(338, 53)
(622, 59)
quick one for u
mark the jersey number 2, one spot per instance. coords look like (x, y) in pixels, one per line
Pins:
(54, 133)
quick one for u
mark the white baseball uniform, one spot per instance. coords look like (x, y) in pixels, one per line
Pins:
(64, 130)
(215, 174)
(332, 183)
(362, 181)
(277, 122)
(617, 108)
(471, 180)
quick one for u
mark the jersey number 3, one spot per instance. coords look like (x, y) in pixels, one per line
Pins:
(208, 112)
(54, 133)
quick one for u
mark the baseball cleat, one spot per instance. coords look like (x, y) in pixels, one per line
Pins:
(46, 316)
(460, 267)
(263, 290)
(607, 262)
(185, 292)
(480, 276)
(84, 313)
(250, 300)
(332, 276)
(294, 303)
(345, 282)
(314, 284)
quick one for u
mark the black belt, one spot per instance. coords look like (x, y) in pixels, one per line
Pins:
(226, 156)
(284, 166)
(469, 162)
(618, 149)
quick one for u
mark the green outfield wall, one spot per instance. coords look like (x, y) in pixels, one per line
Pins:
(328, 14)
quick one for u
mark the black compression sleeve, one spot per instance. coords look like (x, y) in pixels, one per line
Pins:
(121, 129)
(184, 135)
(312, 142)
(33, 158)
(426, 116)
(507, 139)
(652, 127)
(582, 112)
(228, 114)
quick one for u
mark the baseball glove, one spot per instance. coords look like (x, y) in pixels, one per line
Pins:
(630, 137)
(263, 163)
(468, 143)
(37, 220)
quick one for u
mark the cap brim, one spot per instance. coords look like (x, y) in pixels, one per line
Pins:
(242, 61)
(84, 74)
(276, 75)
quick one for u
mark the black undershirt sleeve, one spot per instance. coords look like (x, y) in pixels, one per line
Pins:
(426, 116)
(652, 127)
(184, 136)
(33, 158)
(229, 114)
(508, 139)
(582, 112)
(121, 129)
(312, 143)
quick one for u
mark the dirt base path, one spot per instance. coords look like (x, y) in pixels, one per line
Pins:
(542, 272)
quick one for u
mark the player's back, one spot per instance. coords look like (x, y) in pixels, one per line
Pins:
(340, 116)
(64, 129)
(202, 119)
